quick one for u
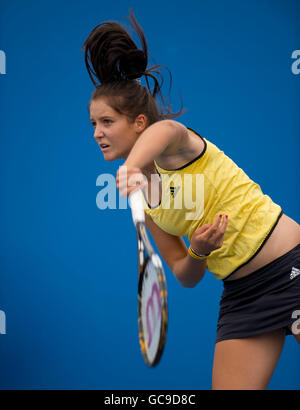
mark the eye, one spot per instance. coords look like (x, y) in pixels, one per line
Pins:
(93, 124)
(107, 121)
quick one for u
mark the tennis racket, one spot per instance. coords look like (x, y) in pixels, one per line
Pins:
(152, 291)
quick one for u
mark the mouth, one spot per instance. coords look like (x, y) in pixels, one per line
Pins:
(104, 147)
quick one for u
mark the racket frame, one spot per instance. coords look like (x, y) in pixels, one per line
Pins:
(146, 255)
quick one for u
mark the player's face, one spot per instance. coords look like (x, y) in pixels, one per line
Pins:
(113, 130)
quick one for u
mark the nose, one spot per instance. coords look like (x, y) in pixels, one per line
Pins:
(98, 132)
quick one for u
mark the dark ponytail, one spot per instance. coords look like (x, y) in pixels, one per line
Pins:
(113, 59)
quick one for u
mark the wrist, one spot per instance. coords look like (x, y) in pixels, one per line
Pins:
(197, 255)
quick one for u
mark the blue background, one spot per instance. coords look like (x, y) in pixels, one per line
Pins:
(68, 269)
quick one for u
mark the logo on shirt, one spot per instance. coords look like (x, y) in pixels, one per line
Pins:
(174, 190)
(295, 272)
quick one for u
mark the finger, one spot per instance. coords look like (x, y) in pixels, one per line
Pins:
(219, 238)
(128, 191)
(221, 220)
(224, 224)
(215, 226)
(221, 230)
(206, 227)
(217, 221)
(137, 179)
(215, 230)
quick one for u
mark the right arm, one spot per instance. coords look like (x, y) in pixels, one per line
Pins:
(187, 270)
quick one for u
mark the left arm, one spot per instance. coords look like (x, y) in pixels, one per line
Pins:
(157, 138)
(161, 137)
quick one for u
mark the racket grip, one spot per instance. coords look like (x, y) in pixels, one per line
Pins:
(137, 206)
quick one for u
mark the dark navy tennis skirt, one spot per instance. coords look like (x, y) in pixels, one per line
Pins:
(263, 301)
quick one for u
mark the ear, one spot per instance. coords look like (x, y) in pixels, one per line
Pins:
(140, 123)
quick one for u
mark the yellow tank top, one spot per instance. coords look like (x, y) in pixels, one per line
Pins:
(213, 184)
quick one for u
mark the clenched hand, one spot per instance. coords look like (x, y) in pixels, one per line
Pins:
(209, 237)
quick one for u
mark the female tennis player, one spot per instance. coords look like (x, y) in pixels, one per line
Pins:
(238, 233)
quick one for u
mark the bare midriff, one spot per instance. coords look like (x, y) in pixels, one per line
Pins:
(285, 236)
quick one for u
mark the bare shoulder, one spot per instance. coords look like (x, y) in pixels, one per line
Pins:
(181, 135)
(185, 147)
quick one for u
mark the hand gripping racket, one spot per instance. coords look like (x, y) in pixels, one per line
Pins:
(152, 291)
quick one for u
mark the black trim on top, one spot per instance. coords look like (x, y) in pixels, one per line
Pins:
(155, 207)
(184, 166)
(259, 249)
(193, 160)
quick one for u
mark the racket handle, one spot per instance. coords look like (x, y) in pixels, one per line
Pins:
(137, 206)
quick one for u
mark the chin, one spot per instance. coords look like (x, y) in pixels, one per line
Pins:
(111, 157)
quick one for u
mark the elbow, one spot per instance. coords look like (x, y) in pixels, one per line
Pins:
(188, 283)
(188, 278)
